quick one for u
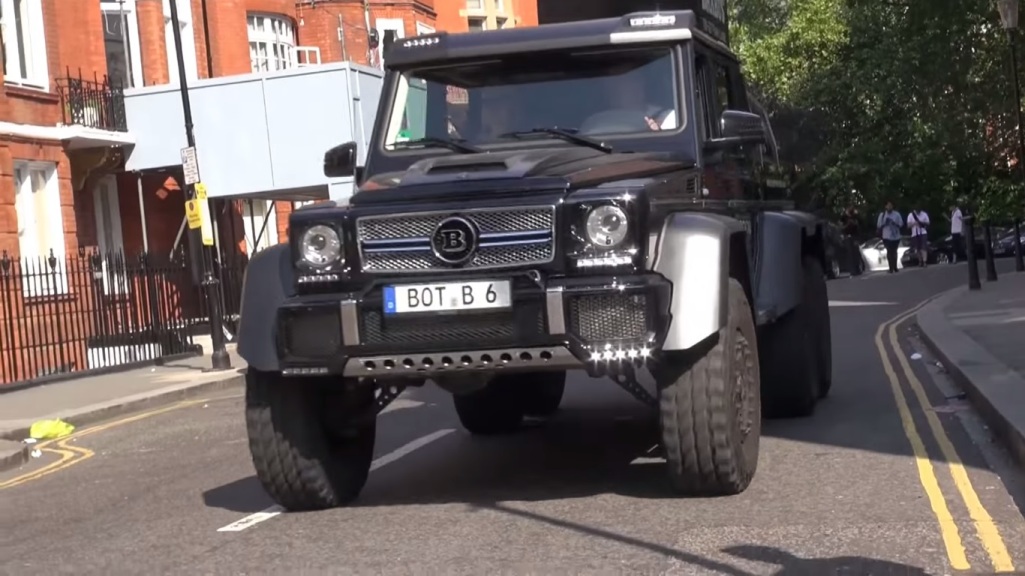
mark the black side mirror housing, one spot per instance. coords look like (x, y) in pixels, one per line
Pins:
(340, 161)
(739, 128)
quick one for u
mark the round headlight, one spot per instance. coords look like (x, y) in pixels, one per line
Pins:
(607, 226)
(320, 246)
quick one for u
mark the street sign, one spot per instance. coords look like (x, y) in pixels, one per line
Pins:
(200, 191)
(194, 214)
(197, 214)
(190, 165)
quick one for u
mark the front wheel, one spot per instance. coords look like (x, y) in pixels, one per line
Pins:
(310, 440)
(710, 407)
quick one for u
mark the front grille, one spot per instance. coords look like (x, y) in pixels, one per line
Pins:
(508, 237)
(598, 318)
(479, 329)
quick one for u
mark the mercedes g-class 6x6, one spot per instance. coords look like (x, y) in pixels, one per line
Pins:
(598, 196)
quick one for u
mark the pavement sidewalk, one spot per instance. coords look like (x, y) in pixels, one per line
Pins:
(90, 399)
(980, 338)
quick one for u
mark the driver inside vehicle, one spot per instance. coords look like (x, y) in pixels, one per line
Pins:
(641, 100)
(499, 113)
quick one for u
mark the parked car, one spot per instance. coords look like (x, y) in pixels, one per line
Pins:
(1003, 247)
(873, 252)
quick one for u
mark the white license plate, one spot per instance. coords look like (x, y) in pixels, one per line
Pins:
(447, 297)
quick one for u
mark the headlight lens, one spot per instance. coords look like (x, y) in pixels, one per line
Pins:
(607, 226)
(320, 246)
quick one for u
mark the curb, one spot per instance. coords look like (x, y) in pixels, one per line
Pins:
(14, 457)
(996, 391)
(80, 417)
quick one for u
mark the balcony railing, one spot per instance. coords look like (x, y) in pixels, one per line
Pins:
(92, 103)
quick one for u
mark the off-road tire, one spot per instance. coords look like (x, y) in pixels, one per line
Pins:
(709, 408)
(792, 352)
(540, 392)
(494, 409)
(306, 453)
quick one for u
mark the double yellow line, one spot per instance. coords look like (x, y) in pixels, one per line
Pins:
(985, 528)
(68, 454)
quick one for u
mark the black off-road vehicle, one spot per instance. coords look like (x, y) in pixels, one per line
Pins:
(599, 196)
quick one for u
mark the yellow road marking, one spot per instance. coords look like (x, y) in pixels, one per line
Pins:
(70, 455)
(985, 528)
(927, 476)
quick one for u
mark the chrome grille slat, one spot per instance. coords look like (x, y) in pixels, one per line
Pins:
(385, 235)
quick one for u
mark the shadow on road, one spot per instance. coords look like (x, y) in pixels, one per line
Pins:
(785, 563)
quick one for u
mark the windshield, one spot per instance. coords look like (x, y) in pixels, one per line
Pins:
(607, 92)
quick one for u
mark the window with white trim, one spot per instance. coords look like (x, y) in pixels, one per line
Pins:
(476, 24)
(271, 42)
(422, 28)
(40, 228)
(389, 30)
(188, 37)
(121, 41)
(259, 216)
(24, 42)
(475, 4)
(107, 208)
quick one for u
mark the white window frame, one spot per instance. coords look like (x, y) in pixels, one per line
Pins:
(107, 210)
(132, 20)
(25, 204)
(38, 76)
(396, 25)
(483, 22)
(251, 226)
(422, 29)
(475, 4)
(270, 38)
(188, 42)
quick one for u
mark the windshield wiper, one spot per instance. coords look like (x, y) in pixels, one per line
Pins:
(563, 133)
(431, 142)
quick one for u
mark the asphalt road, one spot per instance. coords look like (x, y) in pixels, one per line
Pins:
(841, 492)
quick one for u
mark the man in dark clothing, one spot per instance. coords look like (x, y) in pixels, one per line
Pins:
(849, 226)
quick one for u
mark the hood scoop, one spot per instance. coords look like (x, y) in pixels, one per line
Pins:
(490, 165)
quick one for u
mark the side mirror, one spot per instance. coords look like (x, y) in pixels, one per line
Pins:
(739, 128)
(340, 161)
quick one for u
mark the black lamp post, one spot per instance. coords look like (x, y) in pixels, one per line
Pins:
(968, 220)
(219, 358)
(1009, 19)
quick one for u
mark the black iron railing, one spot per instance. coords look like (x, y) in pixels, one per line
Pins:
(93, 103)
(92, 311)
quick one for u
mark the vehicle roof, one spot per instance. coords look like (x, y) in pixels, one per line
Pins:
(637, 28)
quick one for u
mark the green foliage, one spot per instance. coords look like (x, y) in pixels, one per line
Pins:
(876, 100)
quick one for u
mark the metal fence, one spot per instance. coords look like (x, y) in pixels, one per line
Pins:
(94, 103)
(91, 311)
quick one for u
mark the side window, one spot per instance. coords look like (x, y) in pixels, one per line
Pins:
(723, 92)
(701, 101)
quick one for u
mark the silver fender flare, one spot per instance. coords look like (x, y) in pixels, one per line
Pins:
(692, 251)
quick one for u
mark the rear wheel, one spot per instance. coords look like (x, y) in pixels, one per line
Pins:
(311, 444)
(494, 409)
(540, 392)
(792, 352)
(709, 407)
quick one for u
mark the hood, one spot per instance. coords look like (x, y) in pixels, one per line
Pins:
(453, 175)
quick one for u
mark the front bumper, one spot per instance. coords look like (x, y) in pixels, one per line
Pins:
(591, 323)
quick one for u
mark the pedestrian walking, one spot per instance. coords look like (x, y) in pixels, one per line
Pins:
(956, 228)
(889, 224)
(849, 225)
(918, 223)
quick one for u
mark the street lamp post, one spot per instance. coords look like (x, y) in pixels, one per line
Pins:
(1009, 19)
(969, 235)
(219, 358)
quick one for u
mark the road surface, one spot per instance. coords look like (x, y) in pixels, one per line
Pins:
(172, 491)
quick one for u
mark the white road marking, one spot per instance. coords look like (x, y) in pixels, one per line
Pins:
(850, 303)
(267, 514)
(252, 519)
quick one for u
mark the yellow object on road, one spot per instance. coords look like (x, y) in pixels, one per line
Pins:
(50, 429)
